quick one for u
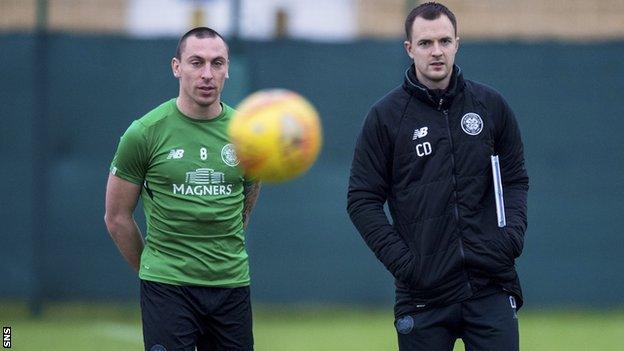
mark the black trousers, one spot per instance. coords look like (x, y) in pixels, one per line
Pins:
(180, 318)
(488, 323)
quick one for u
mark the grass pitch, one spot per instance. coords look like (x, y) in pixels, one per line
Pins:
(70, 327)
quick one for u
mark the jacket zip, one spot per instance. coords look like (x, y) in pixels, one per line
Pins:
(455, 206)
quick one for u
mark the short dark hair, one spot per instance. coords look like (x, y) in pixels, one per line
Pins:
(198, 32)
(429, 11)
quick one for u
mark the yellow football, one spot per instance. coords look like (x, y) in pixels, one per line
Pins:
(276, 134)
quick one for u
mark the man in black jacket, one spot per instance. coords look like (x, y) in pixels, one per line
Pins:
(425, 149)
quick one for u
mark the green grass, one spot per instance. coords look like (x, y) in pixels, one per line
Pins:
(70, 327)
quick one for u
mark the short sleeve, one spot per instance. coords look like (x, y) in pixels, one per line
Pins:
(131, 159)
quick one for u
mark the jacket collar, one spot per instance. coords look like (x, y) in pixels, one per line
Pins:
(428, 96)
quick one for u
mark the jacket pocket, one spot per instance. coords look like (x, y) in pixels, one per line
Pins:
(493, 255)
(435, 248)
(517, 241)
(500, 251)
(438, 268)
(508, 243)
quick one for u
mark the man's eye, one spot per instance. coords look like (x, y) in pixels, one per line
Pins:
(423, 43)
(195, 63)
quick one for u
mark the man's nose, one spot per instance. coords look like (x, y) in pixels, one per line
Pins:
(437, 49)
(206, 72)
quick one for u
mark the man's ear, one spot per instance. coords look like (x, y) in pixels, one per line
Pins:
(408, 48)
(175, 67)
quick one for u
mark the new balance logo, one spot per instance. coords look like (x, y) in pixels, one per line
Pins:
(175, 154)
(420, 133)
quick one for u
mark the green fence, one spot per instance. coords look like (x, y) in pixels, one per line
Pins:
(65, 100)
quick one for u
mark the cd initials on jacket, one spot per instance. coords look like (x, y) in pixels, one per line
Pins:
(471, 124)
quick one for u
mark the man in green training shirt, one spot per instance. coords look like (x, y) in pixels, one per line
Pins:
(193, 265)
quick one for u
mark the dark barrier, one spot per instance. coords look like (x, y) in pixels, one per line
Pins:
(303, 247)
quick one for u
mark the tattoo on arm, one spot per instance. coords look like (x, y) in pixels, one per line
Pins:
(251, 193)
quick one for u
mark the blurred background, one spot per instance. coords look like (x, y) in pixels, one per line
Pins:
(75, 73)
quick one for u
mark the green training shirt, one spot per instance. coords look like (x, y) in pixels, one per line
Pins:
(192, 196)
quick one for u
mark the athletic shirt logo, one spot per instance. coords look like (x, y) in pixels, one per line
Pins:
(228, 155)
(472, 123)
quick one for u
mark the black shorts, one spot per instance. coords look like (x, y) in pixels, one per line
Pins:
(484, 323)
(180, 318)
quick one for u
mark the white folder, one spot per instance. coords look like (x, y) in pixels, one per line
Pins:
(498, 192)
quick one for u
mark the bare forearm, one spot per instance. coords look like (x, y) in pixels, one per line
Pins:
(127, 236)
(251, 193)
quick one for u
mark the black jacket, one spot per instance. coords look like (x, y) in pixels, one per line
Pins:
(428, 156)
